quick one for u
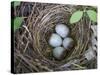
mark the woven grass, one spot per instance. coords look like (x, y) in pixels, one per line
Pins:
(32, 52)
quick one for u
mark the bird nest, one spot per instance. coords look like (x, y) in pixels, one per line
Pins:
(32, 51)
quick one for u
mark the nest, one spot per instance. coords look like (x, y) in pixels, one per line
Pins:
(32, 52)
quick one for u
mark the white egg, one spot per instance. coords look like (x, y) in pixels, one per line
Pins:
(59, 52)
(55, 40)
(68, 43)
(62, 30)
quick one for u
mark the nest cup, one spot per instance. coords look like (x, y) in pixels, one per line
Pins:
(41, 27)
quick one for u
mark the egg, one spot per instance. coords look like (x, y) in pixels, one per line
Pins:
(59, 53)
(68, 43)
(55, 40)
(62, 30)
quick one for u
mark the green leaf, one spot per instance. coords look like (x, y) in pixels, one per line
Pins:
(76, 16)
(17, 22)
(17, 3)
(92, 15)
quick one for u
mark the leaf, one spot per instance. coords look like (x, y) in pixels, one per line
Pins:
(92, 15)
(17, 3)
(76, 16)
(17, 22)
